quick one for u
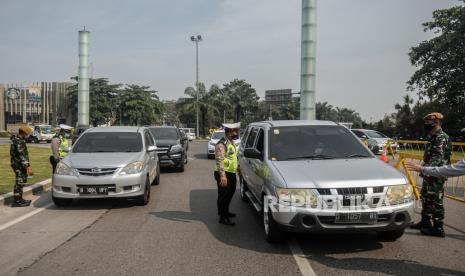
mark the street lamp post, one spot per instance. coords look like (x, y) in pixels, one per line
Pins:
(197, 39)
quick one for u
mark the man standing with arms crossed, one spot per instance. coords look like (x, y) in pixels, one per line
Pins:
(437, 153)
(225, 171)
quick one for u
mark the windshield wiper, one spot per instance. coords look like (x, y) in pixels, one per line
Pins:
(314, 156)
(356, 155)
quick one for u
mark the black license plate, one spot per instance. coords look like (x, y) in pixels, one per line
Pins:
(93, 190)
(347, 218)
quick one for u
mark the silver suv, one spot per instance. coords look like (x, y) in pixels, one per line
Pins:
(316, 176)
(108, 162)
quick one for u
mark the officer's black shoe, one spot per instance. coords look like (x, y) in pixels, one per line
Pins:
(19, 203)
(424, 223)
(434, 231)
(26, 201)
(231, 215)
(226, 221)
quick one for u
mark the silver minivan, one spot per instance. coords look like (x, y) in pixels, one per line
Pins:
(317, 177)
(107, 162)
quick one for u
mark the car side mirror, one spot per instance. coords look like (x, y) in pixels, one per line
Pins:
(252, 153)
(364, 137)
(151, 148)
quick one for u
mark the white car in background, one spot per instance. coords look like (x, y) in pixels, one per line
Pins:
(215, 138)
(375, 138)
(190, 132)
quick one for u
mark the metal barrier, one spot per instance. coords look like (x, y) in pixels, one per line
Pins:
(403, 151)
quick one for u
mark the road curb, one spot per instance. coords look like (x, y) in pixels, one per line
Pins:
(33, 189)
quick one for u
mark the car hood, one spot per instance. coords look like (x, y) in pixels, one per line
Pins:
(381, 140)
(167, 142)
(102, 159)
(338, 173)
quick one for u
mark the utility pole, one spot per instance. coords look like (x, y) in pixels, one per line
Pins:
(308, 60)
(83, 79)
(197, 39)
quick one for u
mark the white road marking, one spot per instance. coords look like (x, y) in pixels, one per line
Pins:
(23, 217)
(302, 262)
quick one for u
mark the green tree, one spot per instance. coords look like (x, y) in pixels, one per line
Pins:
(102, 99)
(440, 76)
(139, 106)
(243, 99)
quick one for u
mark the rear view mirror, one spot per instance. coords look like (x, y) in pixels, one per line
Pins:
(151, 148)
(252, 153)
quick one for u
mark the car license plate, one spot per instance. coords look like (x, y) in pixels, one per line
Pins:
(369, 218)
(93, 190)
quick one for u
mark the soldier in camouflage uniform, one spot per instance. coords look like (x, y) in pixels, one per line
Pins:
(20, 165)
(437, 153)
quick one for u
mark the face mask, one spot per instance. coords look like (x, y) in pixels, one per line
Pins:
(428, 128)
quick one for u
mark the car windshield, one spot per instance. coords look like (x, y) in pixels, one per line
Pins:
(46, 130)
(109, 142)
(164, 133)
(217, 135)
(314, 142)
(375, 134)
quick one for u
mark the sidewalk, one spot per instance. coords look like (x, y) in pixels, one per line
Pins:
(33, 189)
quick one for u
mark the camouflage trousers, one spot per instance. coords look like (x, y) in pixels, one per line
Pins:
(432, 196)
(20, 181)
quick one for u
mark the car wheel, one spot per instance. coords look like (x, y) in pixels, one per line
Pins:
(145, 198)
(392, 235)
(62, 202)
(180, 167)
(157, 178)
(272, 232)
(35, 140)
(243, 188)
(210, 156)
(185, 158)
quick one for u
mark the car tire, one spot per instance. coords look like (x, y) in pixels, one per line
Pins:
(145, 198)
(210, 156)
(35, 140)
(243, 188)
(185, 158)
(62, 202)
(157, 178)
(180, 167)
(392, 235)
(273, 233)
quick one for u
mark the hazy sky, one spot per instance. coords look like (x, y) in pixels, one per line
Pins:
(362, 46)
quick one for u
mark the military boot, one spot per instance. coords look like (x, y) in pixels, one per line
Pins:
(425, 222)
(20, 203)
(436, 231)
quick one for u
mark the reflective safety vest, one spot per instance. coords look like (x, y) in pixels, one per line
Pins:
(230, 158)
(64, 144)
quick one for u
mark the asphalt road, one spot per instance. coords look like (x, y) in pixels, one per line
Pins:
(178, 234)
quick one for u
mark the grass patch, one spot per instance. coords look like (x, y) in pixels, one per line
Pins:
(39, 158)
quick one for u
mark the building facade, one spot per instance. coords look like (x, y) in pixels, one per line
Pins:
(36, 103)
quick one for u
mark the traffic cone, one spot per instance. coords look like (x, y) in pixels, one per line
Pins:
(384, 157)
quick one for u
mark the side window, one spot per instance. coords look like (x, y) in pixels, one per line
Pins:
(260, 141)
(244, 137)
(251, 139)
(148, 140)
(358, 133)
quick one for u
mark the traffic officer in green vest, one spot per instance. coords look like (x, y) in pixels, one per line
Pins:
(225, 171)
(60, 145)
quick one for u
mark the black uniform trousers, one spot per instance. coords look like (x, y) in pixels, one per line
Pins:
(54, 163)
(225, 194)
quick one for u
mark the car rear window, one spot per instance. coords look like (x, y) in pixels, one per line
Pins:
(217, 135)
(165, 133)
(325, 142)
(109, 142)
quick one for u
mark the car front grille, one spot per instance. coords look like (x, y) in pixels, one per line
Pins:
(96, 171)
(352, 191)
(162, 150)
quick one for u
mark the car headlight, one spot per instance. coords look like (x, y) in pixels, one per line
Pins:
(133, 168)
(399, 193)
(176, 148)
(63, 169)
(297, 197)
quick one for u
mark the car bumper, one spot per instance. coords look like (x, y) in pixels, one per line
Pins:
(172, 160)
(306, 220)
(211, 149)
(64, 186)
